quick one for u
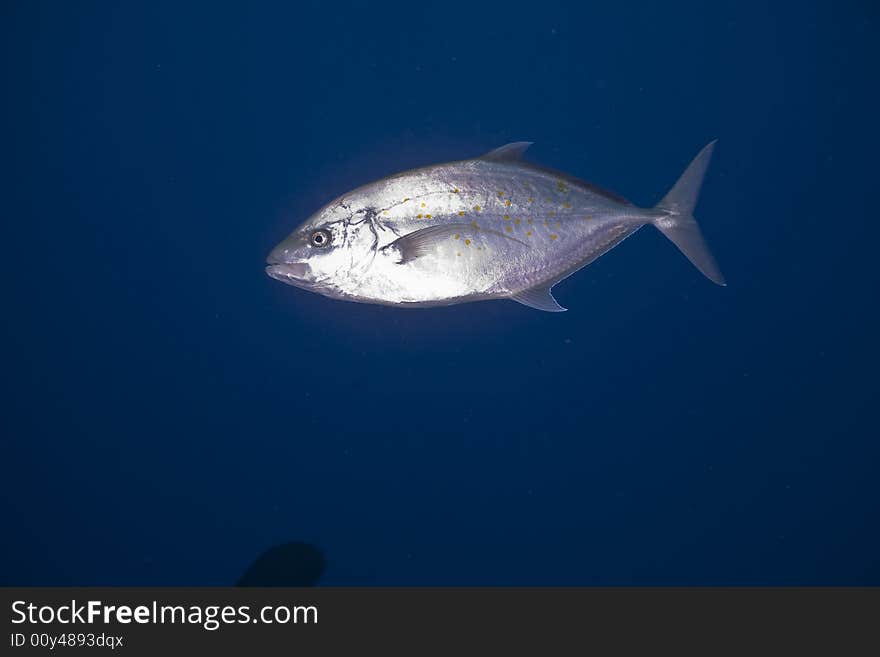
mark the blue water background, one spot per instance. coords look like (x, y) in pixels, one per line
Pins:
(170, 412)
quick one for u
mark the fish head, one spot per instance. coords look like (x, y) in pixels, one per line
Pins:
(329, 253)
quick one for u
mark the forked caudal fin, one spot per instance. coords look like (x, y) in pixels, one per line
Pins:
(678, 223)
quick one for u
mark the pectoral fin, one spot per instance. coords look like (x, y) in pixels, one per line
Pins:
(539, 298)
(425, 240)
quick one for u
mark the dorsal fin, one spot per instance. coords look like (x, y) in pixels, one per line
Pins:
(507, 153)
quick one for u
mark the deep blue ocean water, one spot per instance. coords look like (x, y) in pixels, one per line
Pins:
(170, 412)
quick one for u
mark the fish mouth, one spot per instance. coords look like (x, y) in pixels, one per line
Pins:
(292, 273)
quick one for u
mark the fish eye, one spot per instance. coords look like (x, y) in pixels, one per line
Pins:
(320, 238)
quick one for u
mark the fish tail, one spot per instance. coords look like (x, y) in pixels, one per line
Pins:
(676, 219)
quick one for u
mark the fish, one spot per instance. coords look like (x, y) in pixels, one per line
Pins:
(491, 227)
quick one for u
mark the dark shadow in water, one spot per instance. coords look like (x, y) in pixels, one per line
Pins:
(288, 564)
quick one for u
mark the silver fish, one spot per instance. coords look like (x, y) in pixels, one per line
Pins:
(494, 227)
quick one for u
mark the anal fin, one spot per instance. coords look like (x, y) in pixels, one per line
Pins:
(539, 298)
